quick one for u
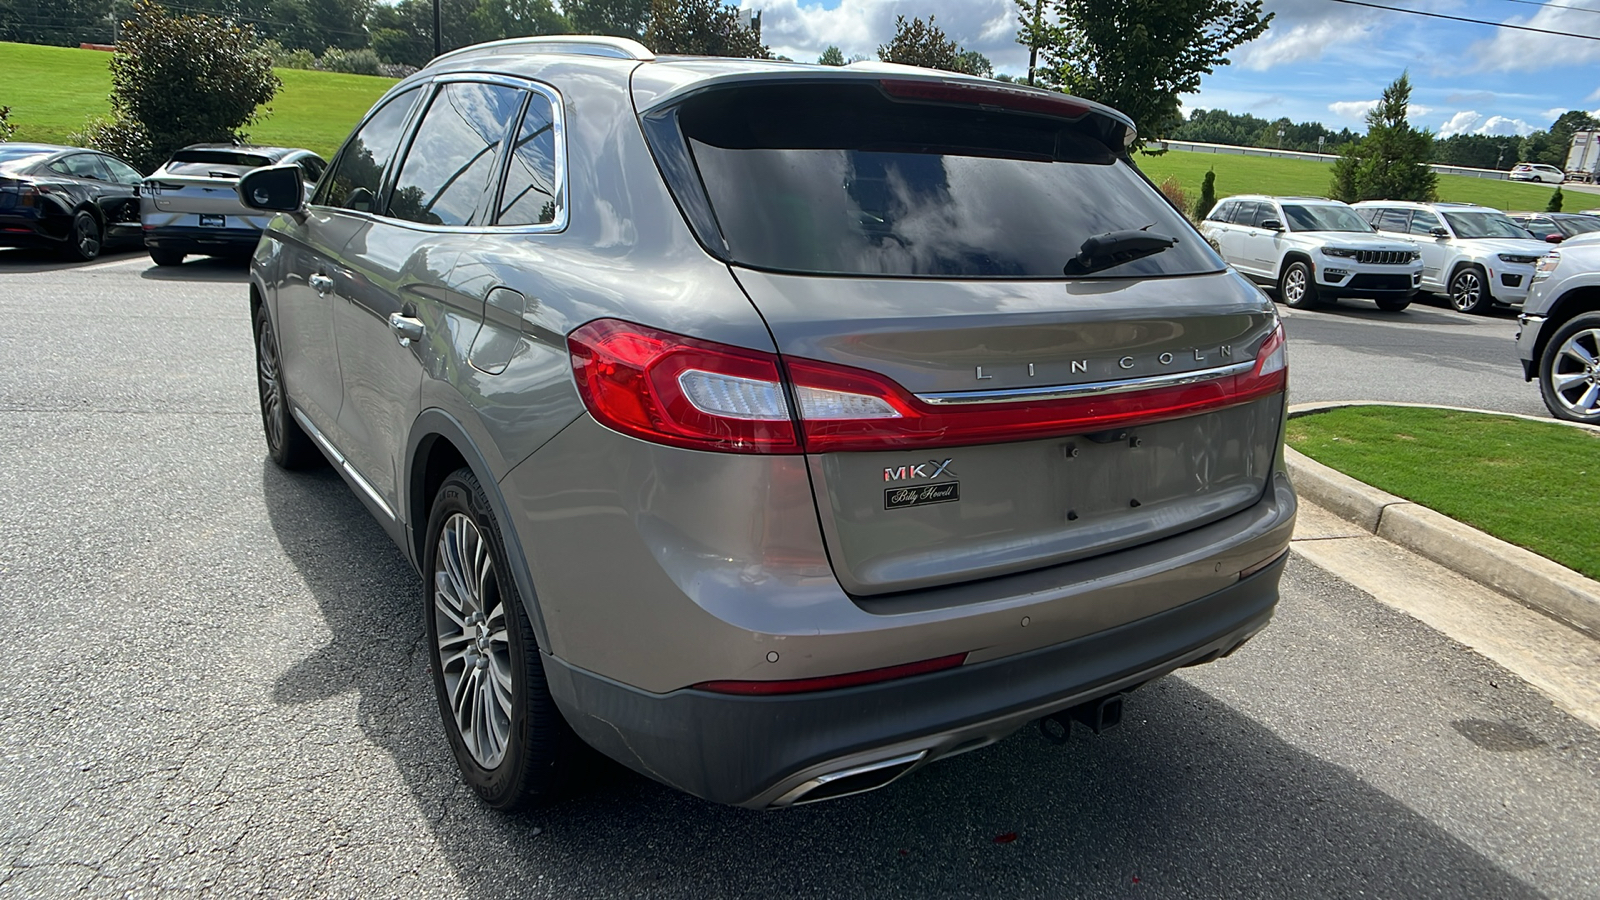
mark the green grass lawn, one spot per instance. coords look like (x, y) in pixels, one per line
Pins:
(1530, 483)
(1308, 178)
(53, 91)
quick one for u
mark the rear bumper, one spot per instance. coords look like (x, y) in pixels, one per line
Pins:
(26, 231)
(209, 241)
(753, 751)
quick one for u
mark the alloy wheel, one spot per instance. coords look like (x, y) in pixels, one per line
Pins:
(88, 238)
(1294, 285)
(1575, 373)
(271, 385)
(1466, 291)
(474, 647)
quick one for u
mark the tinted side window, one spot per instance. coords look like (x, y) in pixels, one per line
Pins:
(1246, 214)
(1266, 212)
(529, 195)
(1223, 212)
(452, 158)
(1393, 220)
(1423, 222)
(311, 167)
(120, 171)
(80, 165)
(358, 174)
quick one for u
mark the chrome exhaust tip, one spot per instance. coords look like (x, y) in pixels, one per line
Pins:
(850, 781)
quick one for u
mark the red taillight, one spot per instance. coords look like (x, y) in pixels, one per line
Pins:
(832, 682)
(675, 390)
(1047, 103)
(684, 392)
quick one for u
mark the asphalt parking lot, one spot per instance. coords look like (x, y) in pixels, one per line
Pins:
(216, 683)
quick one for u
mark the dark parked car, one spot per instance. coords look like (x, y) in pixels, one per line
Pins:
(1554, 228)
(773, 429)
(189, 205)
(75, 201)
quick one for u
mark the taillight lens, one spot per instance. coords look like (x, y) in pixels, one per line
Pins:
(684, 392)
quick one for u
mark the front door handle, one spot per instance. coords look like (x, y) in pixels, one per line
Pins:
(322, 284)
(406, 329)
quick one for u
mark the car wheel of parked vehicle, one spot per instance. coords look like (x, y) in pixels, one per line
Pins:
(510, 741)
(1468, 293)
(1392, 304)
(288, 446)
(167, 257)
(83, 242)
(1569, 372)
(1295, 286)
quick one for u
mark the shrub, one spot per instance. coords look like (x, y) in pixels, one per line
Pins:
(1555, 201)
(7, 130)
(350, 62)
(289, 59)
(395, 70)
(179, 80)
(1176, 195)
(1208, 195)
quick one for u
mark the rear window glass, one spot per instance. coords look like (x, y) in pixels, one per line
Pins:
(839, 179)
(219, 158)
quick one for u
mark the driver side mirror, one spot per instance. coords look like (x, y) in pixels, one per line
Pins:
(1272, 224)
(276, 188)
(1438, 231)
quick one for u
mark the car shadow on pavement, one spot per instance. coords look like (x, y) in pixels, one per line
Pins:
(203, 268)
(1187, 798)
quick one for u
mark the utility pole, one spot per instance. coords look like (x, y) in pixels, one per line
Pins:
(1280, 138)
(1033, 39)
(438, 42)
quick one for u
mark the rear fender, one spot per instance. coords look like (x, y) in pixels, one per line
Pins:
(432, 427)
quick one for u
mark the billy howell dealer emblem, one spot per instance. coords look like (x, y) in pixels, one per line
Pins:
(920, 494)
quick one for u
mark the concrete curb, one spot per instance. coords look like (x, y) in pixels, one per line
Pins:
(1527, 577)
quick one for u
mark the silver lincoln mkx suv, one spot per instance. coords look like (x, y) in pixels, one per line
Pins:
(773, 429)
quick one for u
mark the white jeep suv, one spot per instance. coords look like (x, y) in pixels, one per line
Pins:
(1474, 254)
(1313, 249)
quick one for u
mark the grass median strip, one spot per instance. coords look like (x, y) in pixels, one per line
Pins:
(1533, 484)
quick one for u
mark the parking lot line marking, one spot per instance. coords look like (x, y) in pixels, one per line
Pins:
(114, 264)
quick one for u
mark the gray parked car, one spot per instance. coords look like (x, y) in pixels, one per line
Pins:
(1558, 335)
(773, 429)
(190, 206)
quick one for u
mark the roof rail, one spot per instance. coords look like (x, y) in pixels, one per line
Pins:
(582, 44)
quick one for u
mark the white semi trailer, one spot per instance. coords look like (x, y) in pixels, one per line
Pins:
(1583, 159)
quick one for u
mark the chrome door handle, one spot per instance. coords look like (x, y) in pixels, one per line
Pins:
(405, 328)
(322, 284)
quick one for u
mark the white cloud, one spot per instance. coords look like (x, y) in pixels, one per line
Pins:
(1461, 123)
(1358, 109)
(1521, 51)
(1286, 43)
(802, 31)
(1503, 126)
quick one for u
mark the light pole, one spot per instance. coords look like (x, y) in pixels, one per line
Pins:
(1280, 138)
(1320, 139)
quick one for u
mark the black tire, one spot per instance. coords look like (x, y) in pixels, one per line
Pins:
(167, 257)
(539, 757)
(287, 444)
(1393, 304)
(1568, 384)
(1296, 286)
(84, 238)
(1469, 290)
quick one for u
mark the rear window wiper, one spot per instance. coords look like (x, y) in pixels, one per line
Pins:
(1113, 248)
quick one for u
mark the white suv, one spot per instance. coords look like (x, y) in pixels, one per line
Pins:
(1537, 172)
(1313, 249)
(1474, 254)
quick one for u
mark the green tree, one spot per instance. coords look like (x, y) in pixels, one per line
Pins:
(1555, 201)
(178, 80)
(974, 63)
(1391, 162)
(1208, 195)
(1137, 56)
(65, 23)
(919, 43)
(7, 130)
(619, 18)
(832, 56)
(701, 28)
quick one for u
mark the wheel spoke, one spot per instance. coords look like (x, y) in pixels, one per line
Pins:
(473, 640)
(1590, 400)
(1563, 382)
(1576, 351)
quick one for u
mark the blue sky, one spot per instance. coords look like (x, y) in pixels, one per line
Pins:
(1319, 60)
